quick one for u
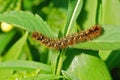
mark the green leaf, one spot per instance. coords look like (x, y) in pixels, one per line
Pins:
(5, 39)
(15, 51)
(113, 59)
(69, 76)
(85, 65)
(8, 5)
(27, 21)
(88, 16)
(104, 54)
(109, 37)
(25, 65)
(44, 77)
(74, 9)
(13, 54)
(60, 60)
(4, 5)
(53, 57)
(110, 12)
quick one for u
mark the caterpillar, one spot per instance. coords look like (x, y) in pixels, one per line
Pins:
(61, 43)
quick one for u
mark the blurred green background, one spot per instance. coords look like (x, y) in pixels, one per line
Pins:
(24, 58)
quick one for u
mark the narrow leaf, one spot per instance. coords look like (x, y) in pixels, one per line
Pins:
(5, 39)
(13, 54)
(74, 9)
(24, 65)
(15, 50)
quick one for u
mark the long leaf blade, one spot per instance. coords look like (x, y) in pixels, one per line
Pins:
(24, 65)
(4, 39)
(15, 50)
(13, 54)
(74, 9)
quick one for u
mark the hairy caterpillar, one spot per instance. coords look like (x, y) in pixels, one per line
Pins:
(89, 34)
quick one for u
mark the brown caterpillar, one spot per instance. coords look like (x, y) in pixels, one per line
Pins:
(61, 43)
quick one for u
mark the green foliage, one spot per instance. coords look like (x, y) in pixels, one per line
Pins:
(5, 39)
(25, 65)
(9, 5)
(26, 21)
(44, 77)
(74, 9)
(23, 58)
(88, 60)
(97, 44)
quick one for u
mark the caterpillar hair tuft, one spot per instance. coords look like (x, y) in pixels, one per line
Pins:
(61, 43)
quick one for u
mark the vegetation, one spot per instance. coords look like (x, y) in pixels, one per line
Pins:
(23, 58)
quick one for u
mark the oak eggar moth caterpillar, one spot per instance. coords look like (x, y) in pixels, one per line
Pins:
(61, 43)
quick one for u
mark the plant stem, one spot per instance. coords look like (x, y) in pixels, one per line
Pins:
(60, 63)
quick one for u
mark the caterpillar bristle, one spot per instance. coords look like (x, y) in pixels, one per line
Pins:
(61, 43)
